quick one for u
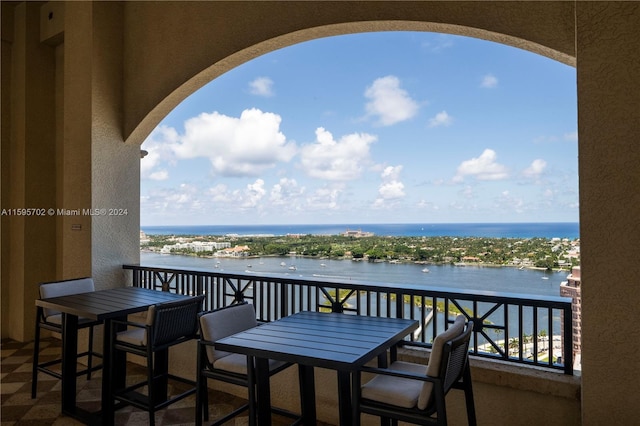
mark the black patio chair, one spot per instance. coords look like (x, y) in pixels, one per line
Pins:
(414, 393)
(168, 324)
(228, 367)
(51, 320)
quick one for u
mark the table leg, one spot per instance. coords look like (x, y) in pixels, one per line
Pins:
(160, 370)
(344, 397)
(113, 367)
(307, 394)
(69, 362)
(263, 397)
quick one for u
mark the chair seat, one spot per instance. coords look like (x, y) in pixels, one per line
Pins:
(237, 363)
(398, 391)
(133, 336)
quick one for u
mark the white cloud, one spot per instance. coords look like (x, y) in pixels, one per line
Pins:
(388, 102)
(172, 202)
(508, 202)
(254, 193)
(159, 175)
(489, 81)
(286, 192)
(158, 147)
(441, 119)
(236, 199)
(571, 136)
(484, 167)
(391, 188)
(261, 86)
(535, 169)
(336, 160)
(244, 146)
(325, 198)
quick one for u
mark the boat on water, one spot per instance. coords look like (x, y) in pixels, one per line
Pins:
(283, 264)
(425, 270)
(292, 267)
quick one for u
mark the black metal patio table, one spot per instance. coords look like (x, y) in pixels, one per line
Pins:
(106, 306)
(336, 341)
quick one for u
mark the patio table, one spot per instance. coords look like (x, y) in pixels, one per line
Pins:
(336, 341)
(106, 306)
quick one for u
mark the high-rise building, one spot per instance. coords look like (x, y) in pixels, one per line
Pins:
(573, 288)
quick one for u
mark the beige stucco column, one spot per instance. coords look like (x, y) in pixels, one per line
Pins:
(28, 165)
(115, 171)
(63, 151)
(608, 53)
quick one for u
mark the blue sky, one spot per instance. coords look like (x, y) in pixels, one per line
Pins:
(395, 127)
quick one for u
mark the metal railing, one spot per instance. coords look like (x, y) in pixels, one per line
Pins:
(526, 329)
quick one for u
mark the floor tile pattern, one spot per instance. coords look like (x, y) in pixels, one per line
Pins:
(20, 410)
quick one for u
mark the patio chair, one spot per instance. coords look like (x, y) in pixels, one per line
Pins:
(406, 392)
(51, 320)
(168, 324)
(228, 367)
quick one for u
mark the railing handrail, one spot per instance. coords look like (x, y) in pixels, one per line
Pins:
(275, 289)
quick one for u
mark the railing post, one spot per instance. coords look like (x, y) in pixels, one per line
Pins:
(284, 299)
(399, 305)
(567, 342)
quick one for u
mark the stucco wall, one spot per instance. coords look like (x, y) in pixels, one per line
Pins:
(609, 124)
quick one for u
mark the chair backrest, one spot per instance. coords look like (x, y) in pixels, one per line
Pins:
(456, 355)
(64, 288)
(172, 321)
(224, 322)
(439, 358)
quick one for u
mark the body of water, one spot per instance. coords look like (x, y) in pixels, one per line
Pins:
(569, 230)
(498, 279)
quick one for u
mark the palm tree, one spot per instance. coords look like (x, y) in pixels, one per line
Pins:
(514, 345)
(543, 335)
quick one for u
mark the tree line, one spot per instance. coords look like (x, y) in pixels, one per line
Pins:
(538, 252)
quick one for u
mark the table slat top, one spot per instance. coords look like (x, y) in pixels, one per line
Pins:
(104, 304)
(331, 340)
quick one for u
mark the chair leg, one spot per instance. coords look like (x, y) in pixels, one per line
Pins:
(202, 399)
(90, 354)
(468, 396)
(36, 357)
(150, 391)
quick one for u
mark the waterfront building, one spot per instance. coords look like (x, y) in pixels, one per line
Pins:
(572, 288)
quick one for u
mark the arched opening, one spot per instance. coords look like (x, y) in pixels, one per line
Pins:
(476, 132)
(360, 134)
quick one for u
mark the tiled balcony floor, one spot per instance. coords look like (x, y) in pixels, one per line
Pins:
(19, 409)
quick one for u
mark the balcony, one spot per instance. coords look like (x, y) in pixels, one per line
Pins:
(514, 374)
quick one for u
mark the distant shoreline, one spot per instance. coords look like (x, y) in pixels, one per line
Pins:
(458, 264)
(570, 230)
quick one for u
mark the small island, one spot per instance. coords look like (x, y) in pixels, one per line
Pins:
(542, 253)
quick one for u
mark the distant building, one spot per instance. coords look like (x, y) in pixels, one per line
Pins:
(196, 246)
(357, 234)
(237, 251)
(573, 288)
